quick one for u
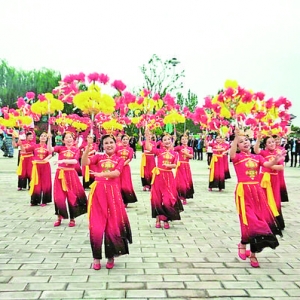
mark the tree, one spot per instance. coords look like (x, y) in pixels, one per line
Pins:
(160, 77)
(190, 101)
(15, 83)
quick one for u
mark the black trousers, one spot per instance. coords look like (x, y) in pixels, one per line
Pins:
(294, 159)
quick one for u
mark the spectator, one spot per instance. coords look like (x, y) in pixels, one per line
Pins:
(132, 144)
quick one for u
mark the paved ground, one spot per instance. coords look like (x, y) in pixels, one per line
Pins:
(195, 259)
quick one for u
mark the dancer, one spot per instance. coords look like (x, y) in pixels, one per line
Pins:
(225, 158)
(269, 179)
(132, 144)
(41, 182)
(106, 212)
(87, 177)
(183, 178)
(165, 203)
(147, 163)
(25, 163)
(67, 185)
(257, 223)
(8, 142)
(285, 147)
(126, 152)
(217, 171)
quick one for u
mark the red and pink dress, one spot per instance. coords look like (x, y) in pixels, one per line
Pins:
(257, 222)
(127, 191)
(87, 178)
(41, 182)
(25, 165)
(165, 202)
(217, 170)
(183, 178)
(107, 215)
(147, 165)
(226, 161)
(67, 186)
(271, 184)
(283, 190)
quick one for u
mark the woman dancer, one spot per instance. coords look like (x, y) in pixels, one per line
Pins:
(226, 145)
(165, 203)
(67, 185)
(147, 163)
(257, 223)
(106, 212)
(25, 163)
(285, 147)
(126, 152)
(217, 170)
(41, 182)
(269, 177)
(183, 178)
(87, 177)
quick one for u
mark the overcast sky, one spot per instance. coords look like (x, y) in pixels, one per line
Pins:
(255, 42)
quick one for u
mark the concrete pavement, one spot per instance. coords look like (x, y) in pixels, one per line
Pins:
(195, 259)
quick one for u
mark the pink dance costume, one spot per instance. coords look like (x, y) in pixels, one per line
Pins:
(183, 178)
(283, 190)
(271, 184)
(67, 186)
(41, 182)
(217, 170)
(226, 162)
(127, 190)
(25, 165)
(87, 178)
(165, 202)
(147, 165)
(257, 222)
(106, 212)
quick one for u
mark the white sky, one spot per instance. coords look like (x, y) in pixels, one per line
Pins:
(256, 42)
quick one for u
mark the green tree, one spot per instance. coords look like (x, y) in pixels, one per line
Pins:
(15, 83)
(295, 129)
(190, 101)
(160, 76)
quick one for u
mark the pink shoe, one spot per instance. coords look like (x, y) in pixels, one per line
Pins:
(19, 189)
(220, 190)
(57, 222)
(242, 255)
(110, 263)
(157, 225)
(210, 189)
(166, 225)
(43, 204)
(72, 223)
(184, 202)
(144, 189)
(96, 266)
(254, 262)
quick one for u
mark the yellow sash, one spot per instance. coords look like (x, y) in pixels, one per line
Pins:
(87, 173)
(93, 187)
(62, 176)
(19, 170)
(34, 175)
(177, 166)
(212, 166)
(143, 164)
(156, 171)
(240, 200)
(266, 184)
